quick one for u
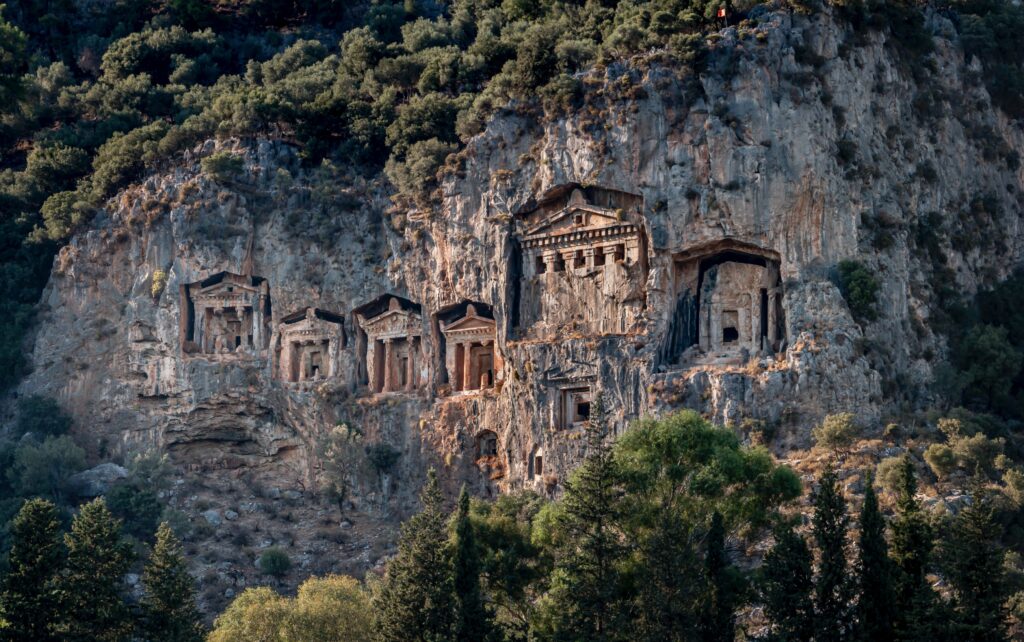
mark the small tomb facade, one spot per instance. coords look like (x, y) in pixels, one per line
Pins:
(471, 360)
(582, 261)
(392, 352)
(486, 444)
(729, 303)
(573, 407)
(226, 314)
(308, 345)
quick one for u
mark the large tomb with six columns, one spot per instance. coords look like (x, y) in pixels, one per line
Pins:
(226, 314)
(391, 346)
(307, 345)
(582, 262)
(471, 361)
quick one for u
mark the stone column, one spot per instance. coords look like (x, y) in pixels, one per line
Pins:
(388, 366)
(455, 376)
(410, 365)
(470, 368)
(773, 322)
(480, 376)
(257, 323)
(303, 361)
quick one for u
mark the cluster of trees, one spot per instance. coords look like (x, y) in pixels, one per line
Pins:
(886, 592)
(652, 540)
(69, 586)
(38, 458)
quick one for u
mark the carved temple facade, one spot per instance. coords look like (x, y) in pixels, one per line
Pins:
(729, 303)
(582, 262)
(307, 346)
(471, 360)
(392, 350)
(226, 314)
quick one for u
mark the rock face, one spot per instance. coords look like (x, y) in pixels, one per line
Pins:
(670, 243)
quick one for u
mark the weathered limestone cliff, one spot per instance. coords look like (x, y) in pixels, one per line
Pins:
(671, 243)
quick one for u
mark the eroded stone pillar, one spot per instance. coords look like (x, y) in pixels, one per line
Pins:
(410, 365)
(467, 367)
(388, 366)
(456, 375)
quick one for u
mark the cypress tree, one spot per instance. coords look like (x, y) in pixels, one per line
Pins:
(473, 620)
(973, 560)
(916, 617)
(787, 582)
(875, 594)
(91, 593)
(832, 587)
(588, 600)
(718, 617)
(416, 600)
(169, 603)
(29, 598)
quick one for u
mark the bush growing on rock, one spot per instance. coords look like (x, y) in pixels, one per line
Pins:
(837, 432)
(223, 166)
(860, 289)
(888, 473)
(940, 459)
(274, 562)
(42, 417)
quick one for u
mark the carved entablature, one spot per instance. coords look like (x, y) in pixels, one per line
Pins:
(226, 314)
(392, 348)
(307, 346)
(471, 360)
(583, 262)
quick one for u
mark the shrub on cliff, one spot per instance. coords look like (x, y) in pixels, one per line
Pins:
(274, 562)
(940, 459)
(223, 166)
(860, 289)
(41, 416)
(837, 432)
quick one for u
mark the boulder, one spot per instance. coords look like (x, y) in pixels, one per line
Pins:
(212, 517)
(97, 480)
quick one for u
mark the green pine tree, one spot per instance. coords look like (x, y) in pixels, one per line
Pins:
(787, 583)
(972, 557)
(718, 612)
(473, 620)
(30, 599)
(92, 599)
(169, 603)
(875, 593)
(916, 615)
(832, 586)
(587, 599)
(416, 599)
(668, 594)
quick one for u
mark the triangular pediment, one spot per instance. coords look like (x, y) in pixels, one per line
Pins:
(227, 289)
(391, 321)
(466, 324)
(576, 217)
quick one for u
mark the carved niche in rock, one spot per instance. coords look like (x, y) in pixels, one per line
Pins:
(729, 303)
(307, 346)
(471, 361)
(226, 314)
(391, 344)
(583, 263)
